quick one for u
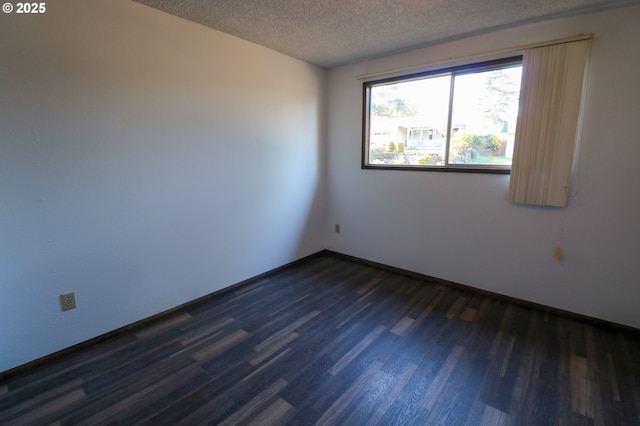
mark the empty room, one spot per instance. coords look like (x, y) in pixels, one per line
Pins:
(320, 212)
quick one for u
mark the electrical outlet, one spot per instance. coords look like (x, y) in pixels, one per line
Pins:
(337, 228)
(557, 254)
(68, 301)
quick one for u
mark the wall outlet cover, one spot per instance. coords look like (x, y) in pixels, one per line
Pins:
(68, 301)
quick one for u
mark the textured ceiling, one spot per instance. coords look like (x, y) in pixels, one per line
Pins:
(335, 32)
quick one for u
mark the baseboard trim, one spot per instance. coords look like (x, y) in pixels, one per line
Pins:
(47, 359)
(613, 326)
(133, 327)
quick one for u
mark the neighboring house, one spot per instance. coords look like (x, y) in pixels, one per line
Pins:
(384, 130)
(425, 137)
(412, 132)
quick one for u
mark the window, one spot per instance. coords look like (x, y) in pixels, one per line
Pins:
(455, 119)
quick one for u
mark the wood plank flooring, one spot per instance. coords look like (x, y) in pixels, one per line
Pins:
(330, 341)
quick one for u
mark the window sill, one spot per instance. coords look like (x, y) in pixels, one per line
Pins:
(449, 168)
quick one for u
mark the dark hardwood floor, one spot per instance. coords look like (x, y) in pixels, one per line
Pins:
(332, 341)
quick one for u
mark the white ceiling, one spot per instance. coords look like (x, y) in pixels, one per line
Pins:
(335, 32)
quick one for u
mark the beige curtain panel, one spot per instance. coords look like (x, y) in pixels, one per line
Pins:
(551, 94)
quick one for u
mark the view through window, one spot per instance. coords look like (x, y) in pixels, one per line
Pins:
(460, 118)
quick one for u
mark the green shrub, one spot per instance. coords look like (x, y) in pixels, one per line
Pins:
(376, 153)
(424, 160)
(493, 143)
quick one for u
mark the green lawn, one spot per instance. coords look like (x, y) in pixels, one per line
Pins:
(490, 160)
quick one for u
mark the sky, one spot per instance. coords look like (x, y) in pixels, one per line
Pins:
(430, 98)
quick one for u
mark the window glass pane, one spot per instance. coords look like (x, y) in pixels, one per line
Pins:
(408, 122)
(483, 123)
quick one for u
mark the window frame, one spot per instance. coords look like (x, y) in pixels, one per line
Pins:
(456, 70)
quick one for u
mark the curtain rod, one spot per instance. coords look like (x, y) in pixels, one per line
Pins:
(514, 49)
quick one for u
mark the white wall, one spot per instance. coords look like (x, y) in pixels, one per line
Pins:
(145, 161)
(461, 228)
